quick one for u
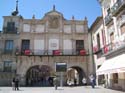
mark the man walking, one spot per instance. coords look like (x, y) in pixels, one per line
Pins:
(16, 84)
(55, 83)
(92, 81)
(13, 83)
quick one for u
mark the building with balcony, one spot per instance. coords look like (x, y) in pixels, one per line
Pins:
(114, 48)
(98, 42)
(30, 49)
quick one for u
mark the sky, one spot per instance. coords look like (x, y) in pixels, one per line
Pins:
(27, 8)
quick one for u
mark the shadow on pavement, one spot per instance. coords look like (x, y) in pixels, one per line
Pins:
(92, 88)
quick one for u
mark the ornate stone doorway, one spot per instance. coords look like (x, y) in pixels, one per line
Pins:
(39, 75)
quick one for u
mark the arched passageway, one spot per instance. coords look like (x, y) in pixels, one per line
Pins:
(75, 75)
(39, 75)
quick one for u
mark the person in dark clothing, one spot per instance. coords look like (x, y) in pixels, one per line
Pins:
(16, 84)
(92, 81)
(13, 83)
(50, 81)
(75, 82)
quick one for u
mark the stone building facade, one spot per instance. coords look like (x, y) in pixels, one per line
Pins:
(30, 49)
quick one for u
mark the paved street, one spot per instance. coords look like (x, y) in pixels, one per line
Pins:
(80, 89)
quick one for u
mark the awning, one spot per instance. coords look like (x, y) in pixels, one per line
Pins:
(113, 65)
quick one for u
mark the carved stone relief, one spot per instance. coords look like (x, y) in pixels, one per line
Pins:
(53, 22)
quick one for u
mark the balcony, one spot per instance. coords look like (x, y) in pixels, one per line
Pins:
(7, 30)
(117, 7)
(7, 51)
(108, 19)
(113, 47)
(121, 21)
(67, 52)
(4, 51)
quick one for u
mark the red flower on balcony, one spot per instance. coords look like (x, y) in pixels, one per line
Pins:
(105, 49)
(27, 52)
(82, 52)
(56, 52)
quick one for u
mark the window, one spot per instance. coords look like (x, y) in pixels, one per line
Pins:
(8, 45)
(123, 29)
(115, 77)
(98, 41)
(108, 11)
(11, 26)
(25, 45)
(7, 66)
(79, 44)
(112, 39)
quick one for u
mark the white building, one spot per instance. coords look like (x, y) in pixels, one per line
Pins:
(114, 49)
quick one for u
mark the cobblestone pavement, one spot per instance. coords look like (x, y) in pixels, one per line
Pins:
(81, 89)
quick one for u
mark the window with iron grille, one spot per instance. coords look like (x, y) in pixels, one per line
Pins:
(79, 46)
(7, 66)
(25, 45)
(9, 46)
(123, 29)
(10, 26)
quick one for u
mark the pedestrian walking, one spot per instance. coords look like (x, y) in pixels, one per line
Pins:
(84, 81)
(13, 83)
(55, 83)
(75, 81)
(16, 84)
(92, 81)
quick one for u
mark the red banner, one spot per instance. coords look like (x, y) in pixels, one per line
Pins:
(27, 52)
(56, 52)
(82, 52)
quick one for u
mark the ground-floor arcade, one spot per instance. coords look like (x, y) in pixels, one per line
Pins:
(40, 71)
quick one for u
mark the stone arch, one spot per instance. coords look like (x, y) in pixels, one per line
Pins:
(39, 75)
(75, 72)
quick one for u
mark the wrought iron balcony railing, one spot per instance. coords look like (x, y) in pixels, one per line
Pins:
(8, 30)
(72, 52)
(113, 47)
(117, 7)
(7, 51)
(40, 52)
(108, 19)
